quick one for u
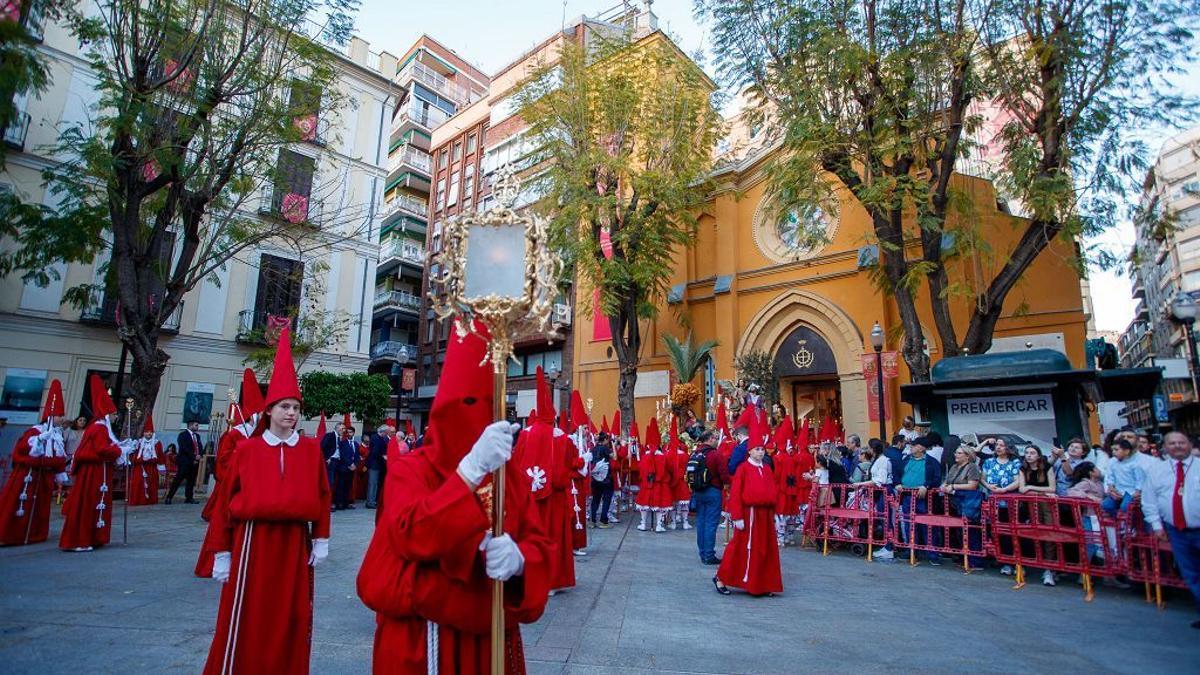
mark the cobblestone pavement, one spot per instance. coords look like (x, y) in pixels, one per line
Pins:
(643, 604)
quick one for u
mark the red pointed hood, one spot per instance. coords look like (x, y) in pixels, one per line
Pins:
(462, 406)
(252, 396)
(758, 437)
(321, 426)
(346, 421)
(674, 443)
(604, 425)
(653, 436)
(148, 425)
(283, 377)
(784, 433)
(54, 402)
(802, 436)
(564, 424)
(408, 428)
(746, 419)
(633, 432)
(723, 420)
(616, 425)
(579, 416)
(545, 399)
(102, 403)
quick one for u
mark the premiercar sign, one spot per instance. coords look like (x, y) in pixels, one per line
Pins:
(997, 408)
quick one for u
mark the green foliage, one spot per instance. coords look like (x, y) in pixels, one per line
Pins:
(365, 396)
(23, 69)
(687, 358)
(758, 367)
(316, 328)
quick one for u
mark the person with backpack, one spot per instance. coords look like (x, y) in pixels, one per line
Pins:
(602, 480)
(707, 482)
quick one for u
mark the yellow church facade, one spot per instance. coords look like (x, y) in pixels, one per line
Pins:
(747, 284)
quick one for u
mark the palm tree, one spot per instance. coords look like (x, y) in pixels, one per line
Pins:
(686, 359)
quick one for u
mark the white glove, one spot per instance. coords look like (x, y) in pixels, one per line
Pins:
(489, 453)
(61, 478)
(320, 551)
(37, 446)
(503, 559)
(739, 524)
(587, 457)
(221, 563)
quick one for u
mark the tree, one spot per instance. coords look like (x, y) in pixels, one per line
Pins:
(758, 367)
(23, 69)
(197, 100)
(316, 328)
(359, 394)
(687, 359)
(624, 130)
(882, 97)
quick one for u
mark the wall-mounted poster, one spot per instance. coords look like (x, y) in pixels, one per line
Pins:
(21, 402)
(198, 402)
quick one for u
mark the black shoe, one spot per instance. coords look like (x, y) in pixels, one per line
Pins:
(167, 500)
(1196, 625)
(350, 506)
(370, 506)
(721, 589)
(711, 561)
(190, 501)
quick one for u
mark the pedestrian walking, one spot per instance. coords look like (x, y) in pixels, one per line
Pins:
(144, 460)
(87, 513)
(343, 463)
(377, 462)
(189, 451)
(707, 477)
(602, 476)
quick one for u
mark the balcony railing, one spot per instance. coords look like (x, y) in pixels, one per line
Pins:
(254, 325)
(103, 312)
(428, 117)
(408, 155)
(16, 131)
(403, 203)
(403, 249)
(399, 299)
(437, 82)
(396, 351)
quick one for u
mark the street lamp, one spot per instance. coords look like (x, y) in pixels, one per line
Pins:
(1184, 310)
(877, 343)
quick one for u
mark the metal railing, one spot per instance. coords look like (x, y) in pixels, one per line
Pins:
(430, 118)
(437, 82)
(252, 324)
(404, 249)
(17, 130)
(103, 312)
(391, 349)
(400, 299)
(406, 204)
(412, 157)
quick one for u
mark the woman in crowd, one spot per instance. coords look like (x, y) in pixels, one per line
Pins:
(1064, 467)
(1037, 477)
(751, 560)
(862, 470)
(961, 483)
(1000, 476)
(880, 476)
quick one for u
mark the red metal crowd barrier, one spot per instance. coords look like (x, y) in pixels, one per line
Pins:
(850, 515)
(935, 527)
(1148, 560)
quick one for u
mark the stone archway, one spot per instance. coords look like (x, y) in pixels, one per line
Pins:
(767, 329)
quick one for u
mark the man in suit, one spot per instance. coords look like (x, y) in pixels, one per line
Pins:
(377, 462)
(344, 461)
(329, 444)
(189, 448)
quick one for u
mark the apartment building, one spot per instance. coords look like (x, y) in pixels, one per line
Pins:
(340, 169)
(434, 85)
(1165, 261)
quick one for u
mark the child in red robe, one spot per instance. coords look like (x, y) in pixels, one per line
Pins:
(751, 560)
(270, 529)
(429, 570)
(87, 512)
(144, 460)
(654, 469)
(38, 458)
(681, 494)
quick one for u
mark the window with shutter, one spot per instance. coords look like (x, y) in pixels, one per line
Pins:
(278, 296)
(293, 186)
(305, 105)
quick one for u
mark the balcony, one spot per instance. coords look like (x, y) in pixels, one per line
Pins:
(15, 133)
(254, 325)
(396, 251)
(406, 157)
(103, 312)
(390, 350)
(422, 73)
(400, 301)
(1139, 287)
(405, 204)
(416, 116)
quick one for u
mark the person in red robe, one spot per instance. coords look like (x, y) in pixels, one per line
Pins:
(787, 480)
(654, 467)
(144, 460)
(270, 529)
(38, 458)
(430, 566)
(632, 478)
(751, 560)
(244, 416)
(681, 494)
(581, 484)
(806, 471)
(87, 511)
(544, 456)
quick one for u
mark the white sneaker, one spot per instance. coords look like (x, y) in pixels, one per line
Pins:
(1007, 570)
(884, 554)
(1047, 578)
(686, 525)
(642, 527)
(580, 552)
(660, 528)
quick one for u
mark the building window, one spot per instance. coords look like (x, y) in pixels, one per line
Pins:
(293, 186)
(305, 107)
(1191, 281)
(468, 183)
(278, 296)
(429, 326)
(457, 154)
(470, 144)
(527, 364)
(441, 194)
(452, 197)
(445, 158)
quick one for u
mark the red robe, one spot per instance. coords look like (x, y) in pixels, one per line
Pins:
(787, 481)
(680, 492)
(143, 476)
(805, 463)
(33, 525)
(84, 524)
(276, 502)
(751, 560)
(225, 447)
(570, 498)
(426, 547)
(655, 492)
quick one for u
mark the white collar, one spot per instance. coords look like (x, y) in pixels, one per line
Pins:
(273, 440)
(754, 463)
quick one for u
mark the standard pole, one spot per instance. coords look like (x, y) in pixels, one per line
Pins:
(1194, 361)
(879, 394)
(499, 411)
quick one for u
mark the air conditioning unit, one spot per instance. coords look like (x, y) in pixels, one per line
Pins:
(562, 314)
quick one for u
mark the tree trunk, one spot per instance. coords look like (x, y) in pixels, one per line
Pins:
(625, 388)
(145, 378)
(627, 342)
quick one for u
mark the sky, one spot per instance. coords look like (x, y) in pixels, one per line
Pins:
(492, 33)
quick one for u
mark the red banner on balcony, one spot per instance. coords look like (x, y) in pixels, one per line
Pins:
(891, 368)
(10, 10)
(408, 379)
(307, 126)
(600, 327)
(294, 208)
